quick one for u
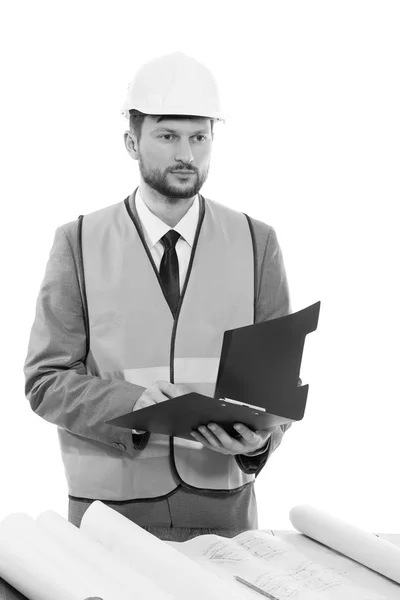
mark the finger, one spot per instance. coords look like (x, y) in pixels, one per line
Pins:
(197, 436)
(159, 396)
(142, 402)
(220, 440)
(234, 445)
(269, 430)
(200, 438)
(150, 397)
(209, 435)
(255, 439)
(172, 390)
(247, 434)
(167, 388)
(223, 437)
(264, 434)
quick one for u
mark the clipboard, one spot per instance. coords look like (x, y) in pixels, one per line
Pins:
(257, 382)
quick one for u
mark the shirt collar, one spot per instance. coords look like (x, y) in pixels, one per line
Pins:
(154, 228)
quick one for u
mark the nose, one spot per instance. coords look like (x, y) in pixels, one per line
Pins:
(184, 153)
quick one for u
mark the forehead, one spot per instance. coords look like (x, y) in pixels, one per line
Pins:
(177, 123)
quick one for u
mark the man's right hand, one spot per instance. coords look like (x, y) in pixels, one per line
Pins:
(159, 392)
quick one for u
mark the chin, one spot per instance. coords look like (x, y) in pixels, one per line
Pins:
(181, 192)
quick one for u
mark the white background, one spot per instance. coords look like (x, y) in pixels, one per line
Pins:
(310, 146)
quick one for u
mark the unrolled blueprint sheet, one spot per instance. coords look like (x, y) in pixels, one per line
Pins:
(273, 565)
(365, 547)
(358, 573)
(154, 558)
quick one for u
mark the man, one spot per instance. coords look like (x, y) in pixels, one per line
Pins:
(132, 311)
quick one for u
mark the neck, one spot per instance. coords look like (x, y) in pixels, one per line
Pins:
(169, 210)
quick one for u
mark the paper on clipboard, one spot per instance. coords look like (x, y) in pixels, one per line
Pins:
(257, 382)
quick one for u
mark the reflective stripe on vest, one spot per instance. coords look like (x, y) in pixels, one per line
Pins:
(132, 332)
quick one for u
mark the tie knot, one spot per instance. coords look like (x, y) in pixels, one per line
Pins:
(169, 239)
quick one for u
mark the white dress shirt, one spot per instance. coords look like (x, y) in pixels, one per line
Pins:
(154, 229)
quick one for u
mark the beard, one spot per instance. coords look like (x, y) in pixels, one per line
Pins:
(171, 186)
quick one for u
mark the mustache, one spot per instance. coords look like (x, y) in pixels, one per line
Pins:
(186, 170)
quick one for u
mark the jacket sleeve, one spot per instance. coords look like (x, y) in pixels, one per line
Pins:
(57, 384)
(272, 300)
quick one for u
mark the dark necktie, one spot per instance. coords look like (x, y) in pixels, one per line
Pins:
(169, 269)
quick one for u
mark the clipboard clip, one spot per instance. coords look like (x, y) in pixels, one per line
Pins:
(252, 406)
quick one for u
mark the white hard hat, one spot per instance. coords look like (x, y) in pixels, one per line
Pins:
(174, 84)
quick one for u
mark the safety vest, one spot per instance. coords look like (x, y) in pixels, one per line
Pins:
(134, 337)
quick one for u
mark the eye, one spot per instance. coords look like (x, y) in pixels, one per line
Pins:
(168, 136)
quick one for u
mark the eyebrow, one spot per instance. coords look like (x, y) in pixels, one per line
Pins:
(175, 131)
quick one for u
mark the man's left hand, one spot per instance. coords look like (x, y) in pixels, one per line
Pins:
(216, 438)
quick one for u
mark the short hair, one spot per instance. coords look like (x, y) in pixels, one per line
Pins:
(136, 119)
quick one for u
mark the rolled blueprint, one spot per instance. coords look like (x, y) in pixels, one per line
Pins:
(97, 556)
(154, 558)
(364, 547)
(41, 568)
(33, 571)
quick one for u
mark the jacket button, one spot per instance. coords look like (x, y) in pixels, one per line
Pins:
(119, 446)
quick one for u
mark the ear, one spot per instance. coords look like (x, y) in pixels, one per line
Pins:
(131, 144)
